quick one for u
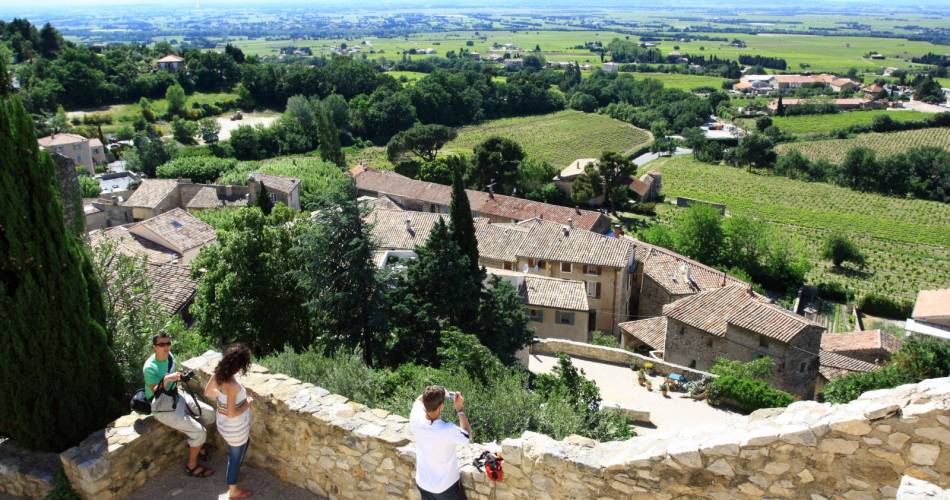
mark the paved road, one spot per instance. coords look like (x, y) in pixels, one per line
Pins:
(648, 157)
(618, 384)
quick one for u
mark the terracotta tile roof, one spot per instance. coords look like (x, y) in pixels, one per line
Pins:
(932, 305)
(151, 192)
(518, 209)
(179, 228)
(668, 269)
(279, 183)
(133, 245)
(550, 241)
(868, 340)
(61, 139)
(833, 365)
(205, 197)
(651, 331)
(389, 228)
(555, 293)
(713, 310)
(500, 241)
(94, 142)
(576, 168)
(640, 187)
(172, 286)
(170, 58)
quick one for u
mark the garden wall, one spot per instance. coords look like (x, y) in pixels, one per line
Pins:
(25, 473)
(613, 355)
(341, 449)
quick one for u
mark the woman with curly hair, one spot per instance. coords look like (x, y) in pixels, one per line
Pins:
(233, 410)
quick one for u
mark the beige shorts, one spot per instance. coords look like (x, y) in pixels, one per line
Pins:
(182, 421)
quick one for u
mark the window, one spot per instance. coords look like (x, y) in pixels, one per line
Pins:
(763, 342)
(801, 367)
(692, 364)
(563, 317)
(682, 331)
(708, 342)
(592, 270)
(536, 315)
(273, 197)
(542, 264)
(593, 289)
(508, 266)
(565, 267)
(76, 146)
(79, 158)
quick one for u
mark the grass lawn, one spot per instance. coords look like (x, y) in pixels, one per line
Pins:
(834, 150)
(683, 82)
(906, 241)
(406, 77)
(803, 125)
(558, 138)
(124, 114)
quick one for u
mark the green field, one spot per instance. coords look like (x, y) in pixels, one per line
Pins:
(819, 53)
(906, 241)
(558, 138)
(834, 150)
(804, 125)
(683, 82)
(124, 114)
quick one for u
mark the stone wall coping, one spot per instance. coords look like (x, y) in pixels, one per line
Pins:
(613, 355)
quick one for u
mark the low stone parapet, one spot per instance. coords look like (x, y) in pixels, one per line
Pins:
(613, 355)
(113, 462)
(26, 473)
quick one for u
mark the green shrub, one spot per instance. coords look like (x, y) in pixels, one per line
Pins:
(200, 169)
(887, 307)
(604, 339)
(835, 292)
(89, 187)
(752, 394)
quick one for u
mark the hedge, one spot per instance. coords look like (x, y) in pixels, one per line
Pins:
(879, 305)
(751, 394)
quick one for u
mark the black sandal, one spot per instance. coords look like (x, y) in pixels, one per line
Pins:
(199, 471)
(205, 454)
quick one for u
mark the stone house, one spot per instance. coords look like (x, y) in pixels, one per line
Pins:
(83, 151)
(171, 63)
(557, 308)
(663, 276)
(871, 346)
(421, 196)
(566, 177)
(282, 189)
(154, 197)
(735, 323)
(645, 335)
(175, 236)
(599, 264)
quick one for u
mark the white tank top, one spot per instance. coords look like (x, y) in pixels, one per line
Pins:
(234, 430)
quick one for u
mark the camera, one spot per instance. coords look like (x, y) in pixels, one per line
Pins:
(187, 376)
(450, 395)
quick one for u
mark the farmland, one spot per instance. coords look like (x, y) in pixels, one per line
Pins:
(804, 125)
(906, 241)
(124, 114)
(558, 138)
(834, 150)
(683, 82)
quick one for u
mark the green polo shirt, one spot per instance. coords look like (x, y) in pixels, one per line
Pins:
(154, 371)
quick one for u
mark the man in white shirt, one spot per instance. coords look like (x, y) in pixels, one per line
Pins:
(437, 467)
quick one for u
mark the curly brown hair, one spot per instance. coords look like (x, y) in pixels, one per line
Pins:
(237, 358)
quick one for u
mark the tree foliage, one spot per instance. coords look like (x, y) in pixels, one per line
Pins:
(58, 376)
(496, 161)
(200, 169)
(423, 141)
(839, 249)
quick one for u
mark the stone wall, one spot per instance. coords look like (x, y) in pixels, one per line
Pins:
(612, 355)
(342, 449)
(25, 473)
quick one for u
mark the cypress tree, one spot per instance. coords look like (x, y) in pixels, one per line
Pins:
(462, 227)
(330, 148)
(58, 376)
(263, 200)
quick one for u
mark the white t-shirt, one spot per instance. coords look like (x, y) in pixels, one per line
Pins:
(437, 465)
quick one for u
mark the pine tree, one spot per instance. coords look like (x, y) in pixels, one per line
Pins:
(462, 226)
(58, 376)
(263, 200)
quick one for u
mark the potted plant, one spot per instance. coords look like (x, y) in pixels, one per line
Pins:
(663, 388)
(642, 377)
(649, 386)
(649, 367)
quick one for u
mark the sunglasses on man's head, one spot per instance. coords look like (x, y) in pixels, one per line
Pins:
(163, 344)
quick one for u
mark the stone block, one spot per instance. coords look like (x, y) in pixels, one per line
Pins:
(924, 454)
(838, 446)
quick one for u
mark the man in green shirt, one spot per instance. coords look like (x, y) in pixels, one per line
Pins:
(160, 387)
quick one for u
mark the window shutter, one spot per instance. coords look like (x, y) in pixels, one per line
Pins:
(597, 294)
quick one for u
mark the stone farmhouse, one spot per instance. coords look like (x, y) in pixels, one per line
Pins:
(421, 196)
(175, 236)
(644, 189)
(832, 365)
(83, 151)
(282, 189)
(592, 267)
(735, 323)
(846, 104)
(770, 83)
(557, 308)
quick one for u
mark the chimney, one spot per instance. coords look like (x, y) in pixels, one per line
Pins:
(565, 230)
(409, 229)
(618, 231)
(723, 279)
(751, 293)
(491, 190)
(570, 222)
(577, 209)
